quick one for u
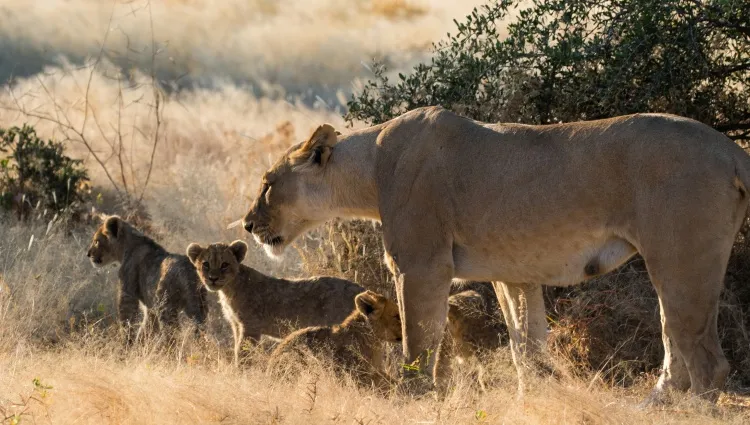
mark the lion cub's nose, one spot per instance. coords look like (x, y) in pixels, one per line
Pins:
(249, 226)
(88, 253)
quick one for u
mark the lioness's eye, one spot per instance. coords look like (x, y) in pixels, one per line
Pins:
(224, 265)
(205, 265)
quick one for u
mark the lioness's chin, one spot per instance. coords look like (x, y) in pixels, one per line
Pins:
(274, 251)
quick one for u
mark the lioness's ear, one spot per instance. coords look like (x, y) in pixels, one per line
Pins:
(239, 249)
(194, 251)
(112, 226)
(369, 304)
(317, 149)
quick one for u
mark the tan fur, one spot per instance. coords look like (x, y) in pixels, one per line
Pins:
(475, 323)
(475, 329)
(355, 346)
(255, 304)
(165, 283)
(527, 206)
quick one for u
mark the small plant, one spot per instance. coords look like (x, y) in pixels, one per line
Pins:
(36, 172)
(41, 388)
(13, 413)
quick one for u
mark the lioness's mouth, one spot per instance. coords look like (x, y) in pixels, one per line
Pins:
(278, 240)
(265, 236)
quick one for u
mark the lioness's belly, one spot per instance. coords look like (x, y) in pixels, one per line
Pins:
(556, 263)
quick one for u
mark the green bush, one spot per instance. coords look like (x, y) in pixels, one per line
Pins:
(36, 173)
(569, 60)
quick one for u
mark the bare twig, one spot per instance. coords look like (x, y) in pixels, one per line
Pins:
(157, 103)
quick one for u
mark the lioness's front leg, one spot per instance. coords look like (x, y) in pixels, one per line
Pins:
(423, 290)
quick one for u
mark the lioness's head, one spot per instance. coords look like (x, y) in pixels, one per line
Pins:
(218, 263)
(293, 194)
(382, 315)
(106, 245)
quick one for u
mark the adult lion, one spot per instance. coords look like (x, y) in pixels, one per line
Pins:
(527, 206)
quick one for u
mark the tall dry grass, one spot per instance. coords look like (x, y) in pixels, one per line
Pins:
(309, 48)
(60, 361)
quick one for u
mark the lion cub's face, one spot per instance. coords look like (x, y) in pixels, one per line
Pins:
(104, 247)
(293, 194)
(382, 314)
(218, 263)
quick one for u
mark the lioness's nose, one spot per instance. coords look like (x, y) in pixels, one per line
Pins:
(249, 226)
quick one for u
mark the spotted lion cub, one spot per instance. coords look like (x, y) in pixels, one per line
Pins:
(355, 346)
(255, 304)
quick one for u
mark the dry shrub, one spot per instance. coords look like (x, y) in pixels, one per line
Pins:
(352, 250)
(609, 325)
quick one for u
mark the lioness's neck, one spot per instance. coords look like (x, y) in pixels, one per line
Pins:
(351, 175)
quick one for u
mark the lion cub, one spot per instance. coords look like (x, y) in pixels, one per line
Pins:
(356, 345)
(474, 330)
(475, 324)
(256, 304)
(165, 283)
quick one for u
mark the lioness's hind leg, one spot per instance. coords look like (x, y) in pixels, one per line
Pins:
(689, 288)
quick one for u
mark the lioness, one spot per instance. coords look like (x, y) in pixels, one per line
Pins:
(355, 345)
(165, 283)
(527, 206)
(255, 304)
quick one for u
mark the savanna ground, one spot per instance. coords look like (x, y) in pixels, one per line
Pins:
(237, 82)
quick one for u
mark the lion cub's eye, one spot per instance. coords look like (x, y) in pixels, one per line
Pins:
(205, 265)
(224, 266)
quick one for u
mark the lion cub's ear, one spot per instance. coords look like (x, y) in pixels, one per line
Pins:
(369, 304)
(113, 226)
(317, 149)
(239, 250)
(194, 251)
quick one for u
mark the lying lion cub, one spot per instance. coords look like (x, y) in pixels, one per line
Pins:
(256, 304)
(355, 346)
(165, 283)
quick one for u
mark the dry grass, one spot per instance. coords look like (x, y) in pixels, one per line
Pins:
(56, 311)
(284, 46)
